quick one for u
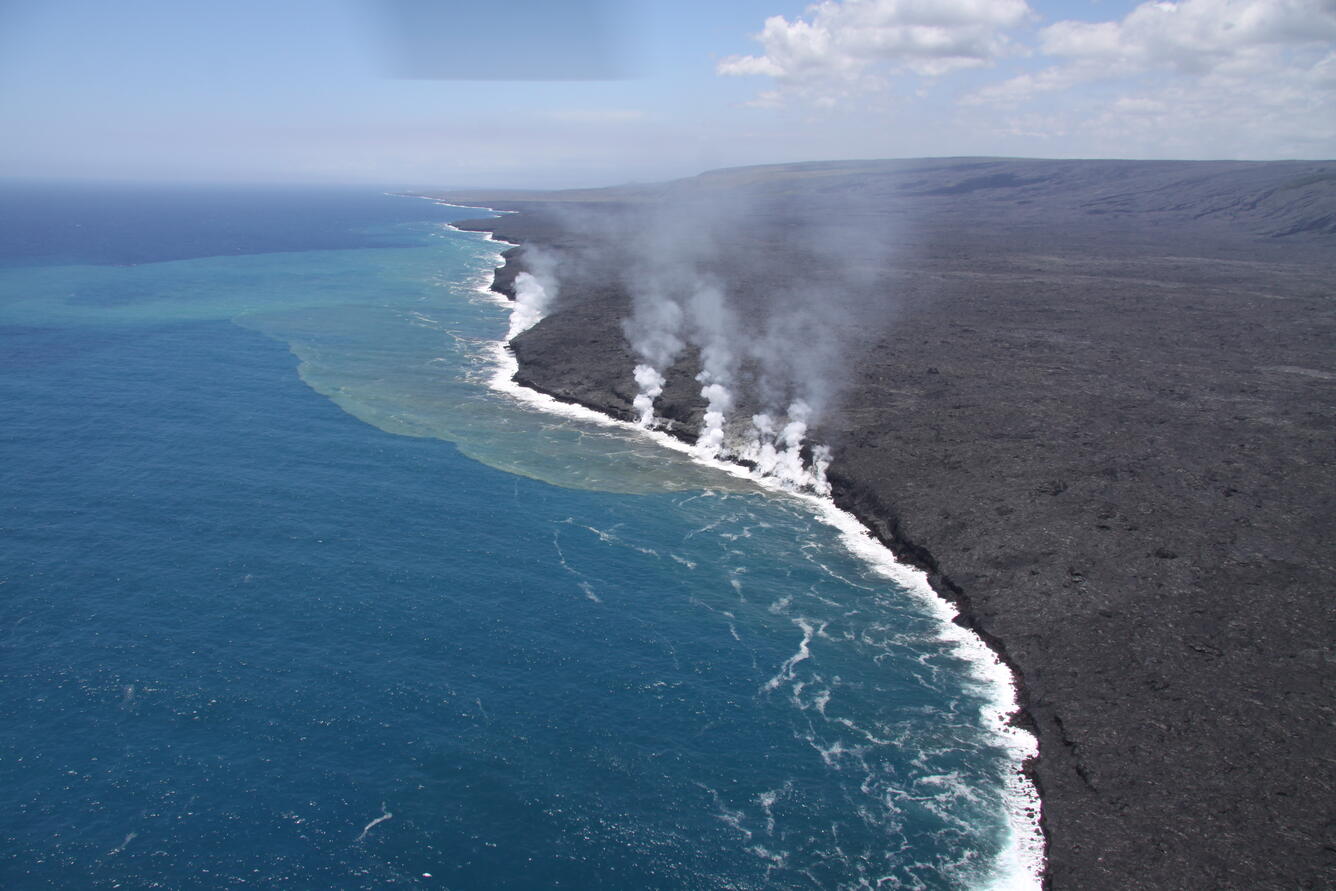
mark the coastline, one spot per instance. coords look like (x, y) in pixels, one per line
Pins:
(873, 539)
(1098, 406)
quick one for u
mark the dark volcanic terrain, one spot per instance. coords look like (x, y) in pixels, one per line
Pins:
(1096, 400)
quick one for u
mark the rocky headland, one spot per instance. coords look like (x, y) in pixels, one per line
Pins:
(1096, 401)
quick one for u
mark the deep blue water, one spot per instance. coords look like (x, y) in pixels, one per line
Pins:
(118, 223)
(275, 563)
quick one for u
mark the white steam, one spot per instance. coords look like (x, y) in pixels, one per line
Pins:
(769, 296)
(649, 386)
(531, 302)
(654, 331)
(665, 324)
(534, 292)
(711, 329)
(719, 402)
(683, 306)
(777, 452)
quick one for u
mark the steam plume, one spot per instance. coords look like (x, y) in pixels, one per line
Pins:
(534, 292)
(653, 331)
(769, 288)
(712, 329)
(778, 452)
(649, 383)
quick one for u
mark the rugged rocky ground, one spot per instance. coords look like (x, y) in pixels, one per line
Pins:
(1097, 401)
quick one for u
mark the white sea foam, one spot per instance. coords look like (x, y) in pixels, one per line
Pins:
(1020, 865)
(483, 283)
(804, 653)
(384, 815)
(129, 837)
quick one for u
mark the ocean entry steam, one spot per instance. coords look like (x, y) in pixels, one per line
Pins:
(294, 594)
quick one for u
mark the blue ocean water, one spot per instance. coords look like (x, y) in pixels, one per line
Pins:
(289, 597)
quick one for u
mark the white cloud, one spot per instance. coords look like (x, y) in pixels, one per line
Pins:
(1262, 104)
(1193, 36)
(1171, 78)
(1221, 78)
(842, 47)
(1022, 88)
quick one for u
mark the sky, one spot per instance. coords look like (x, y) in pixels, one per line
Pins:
(564, 93)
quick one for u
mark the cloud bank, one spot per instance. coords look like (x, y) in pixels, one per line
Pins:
(843, 47)
(1243, 78)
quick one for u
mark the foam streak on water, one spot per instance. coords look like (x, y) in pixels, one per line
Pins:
(1021, 862)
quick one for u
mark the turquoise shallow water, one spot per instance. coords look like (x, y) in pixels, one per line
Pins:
(290, 598)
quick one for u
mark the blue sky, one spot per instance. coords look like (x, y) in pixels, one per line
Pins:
(313, 90)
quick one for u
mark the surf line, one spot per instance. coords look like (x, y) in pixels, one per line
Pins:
(1020, 865)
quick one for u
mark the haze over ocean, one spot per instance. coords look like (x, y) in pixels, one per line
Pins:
(289, 595)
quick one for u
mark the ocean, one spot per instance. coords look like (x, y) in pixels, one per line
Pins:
(294, 592)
